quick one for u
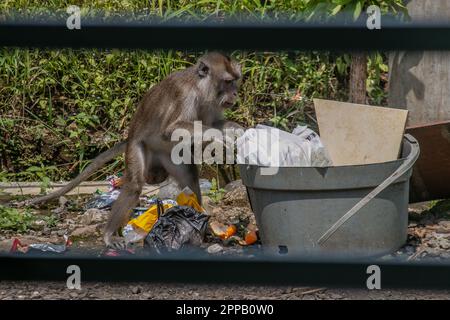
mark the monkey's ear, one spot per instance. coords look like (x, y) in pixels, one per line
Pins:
(203, 69)
(237, 69)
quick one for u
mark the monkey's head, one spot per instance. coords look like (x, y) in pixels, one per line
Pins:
(219, 78)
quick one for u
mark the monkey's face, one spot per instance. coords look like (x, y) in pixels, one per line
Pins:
(223, 75)
(227, 92)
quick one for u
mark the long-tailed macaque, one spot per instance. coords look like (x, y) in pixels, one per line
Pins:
(198, 93)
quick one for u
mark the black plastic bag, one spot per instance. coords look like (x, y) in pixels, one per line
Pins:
(180, 225)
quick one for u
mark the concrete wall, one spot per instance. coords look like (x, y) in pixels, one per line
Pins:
(420, 81)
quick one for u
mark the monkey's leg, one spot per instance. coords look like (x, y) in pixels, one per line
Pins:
(129, 195)
(185, 174)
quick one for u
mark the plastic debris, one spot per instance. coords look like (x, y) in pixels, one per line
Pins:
(17, 246)
(188, 198)
(154, 201)
(180, 225)
(115, 181)
(318, 154)
(138, 211)
(117, 253)
(138, 228)
(143, 220)
(205, 186)
(103, 201)
(267, 146)
(133, 234)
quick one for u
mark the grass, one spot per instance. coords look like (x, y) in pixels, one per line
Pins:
(16, 220)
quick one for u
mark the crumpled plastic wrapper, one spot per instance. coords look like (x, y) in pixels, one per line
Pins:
(268, 146)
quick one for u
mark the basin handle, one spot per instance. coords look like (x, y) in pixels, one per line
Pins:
(406, 165)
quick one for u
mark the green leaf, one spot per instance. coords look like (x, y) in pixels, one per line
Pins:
(358, 9)
(336, 10)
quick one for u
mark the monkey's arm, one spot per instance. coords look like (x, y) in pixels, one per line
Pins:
(196, 131)
(187, 125)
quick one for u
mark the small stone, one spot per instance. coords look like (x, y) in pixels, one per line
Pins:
(62, 201)
(73, 295)
(60, 233)
(287, 290)
(136, 290)
(85, 231)
(335, 296)
(409, 249)
(39, 224)
(94, 215)
(62, 205)
(445, 255)
(215, 248)
(233, 185)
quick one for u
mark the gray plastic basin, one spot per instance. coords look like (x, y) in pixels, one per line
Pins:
(296, 206)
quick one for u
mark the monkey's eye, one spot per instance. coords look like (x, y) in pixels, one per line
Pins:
(228, 81)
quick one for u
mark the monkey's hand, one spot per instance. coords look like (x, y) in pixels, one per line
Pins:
(114, 242)
(225, 125)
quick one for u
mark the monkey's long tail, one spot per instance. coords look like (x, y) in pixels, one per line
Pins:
(96, 164)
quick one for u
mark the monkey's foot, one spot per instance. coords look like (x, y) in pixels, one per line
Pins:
(116, 243)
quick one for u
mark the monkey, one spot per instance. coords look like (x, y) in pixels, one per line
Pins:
(200, 92)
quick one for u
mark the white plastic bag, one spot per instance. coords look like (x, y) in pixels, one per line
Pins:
(267, 146)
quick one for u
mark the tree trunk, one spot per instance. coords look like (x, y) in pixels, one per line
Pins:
(358, 77)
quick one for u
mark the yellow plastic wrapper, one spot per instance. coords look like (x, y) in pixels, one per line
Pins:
(188, 198)
(147, 220)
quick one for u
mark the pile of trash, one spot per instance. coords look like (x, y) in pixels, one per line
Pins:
(168, 225)
(165, 225)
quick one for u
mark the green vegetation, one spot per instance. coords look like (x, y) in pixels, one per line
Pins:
(22, 220)
(216, 193)
(13, 219)
(61, 108)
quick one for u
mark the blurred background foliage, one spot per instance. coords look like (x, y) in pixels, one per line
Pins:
(61, 108)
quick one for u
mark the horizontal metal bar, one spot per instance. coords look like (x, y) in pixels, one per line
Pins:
(226, 37)
(220, 270)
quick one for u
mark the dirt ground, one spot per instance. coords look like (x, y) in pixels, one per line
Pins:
(428, 237)
(147, 291)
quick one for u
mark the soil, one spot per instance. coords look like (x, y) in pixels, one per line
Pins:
(58, 290)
